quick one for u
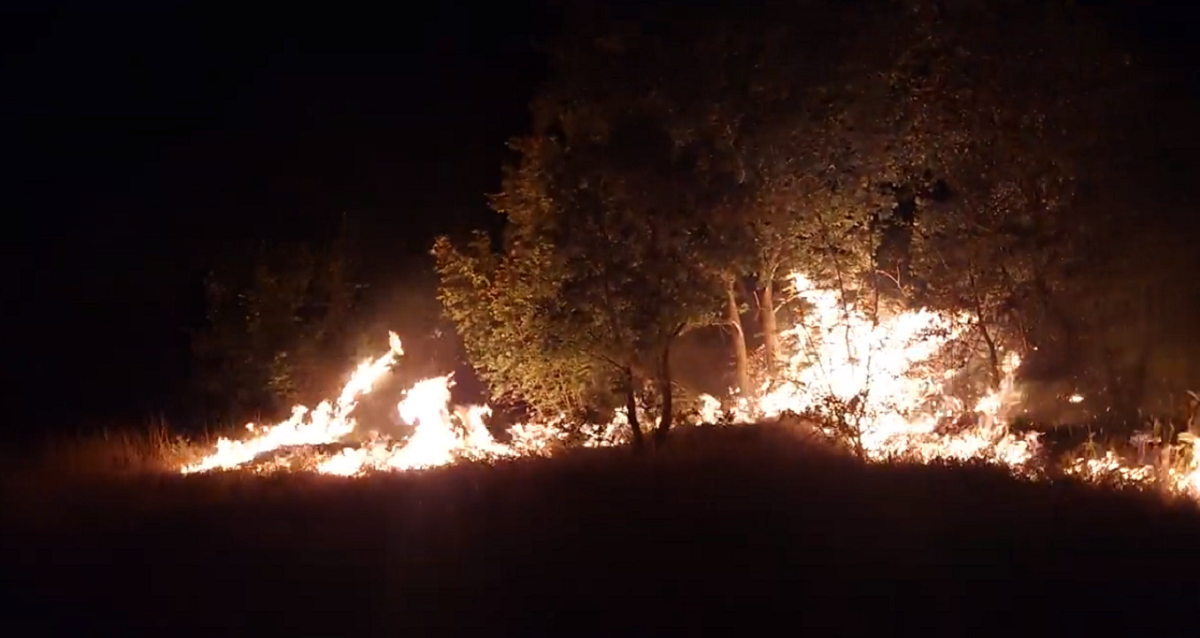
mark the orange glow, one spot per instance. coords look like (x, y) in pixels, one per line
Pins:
(887, 368)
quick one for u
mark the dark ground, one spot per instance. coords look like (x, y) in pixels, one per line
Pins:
(730, 532)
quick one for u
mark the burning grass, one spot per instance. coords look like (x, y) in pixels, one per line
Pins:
(885, 380)
(743, 528)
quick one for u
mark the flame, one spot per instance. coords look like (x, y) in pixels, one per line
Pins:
(437, 439)
(873, 376)
(328, 423)
(878, 368)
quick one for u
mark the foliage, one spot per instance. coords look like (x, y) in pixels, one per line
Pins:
(759, 117)
(600, 269)
(280, 319)
(999, 123)
(933, 151)
(495, 303)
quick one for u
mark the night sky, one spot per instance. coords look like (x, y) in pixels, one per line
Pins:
(149, 139)
(142, 140)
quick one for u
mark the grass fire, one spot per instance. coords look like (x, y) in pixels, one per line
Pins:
(576, 318)
(874, 385)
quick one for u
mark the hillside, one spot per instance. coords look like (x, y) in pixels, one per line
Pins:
(731, 529)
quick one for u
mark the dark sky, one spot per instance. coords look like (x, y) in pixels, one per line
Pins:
(145, 137)
(148, 138)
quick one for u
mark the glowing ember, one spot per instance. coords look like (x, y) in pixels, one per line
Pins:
(873, 378)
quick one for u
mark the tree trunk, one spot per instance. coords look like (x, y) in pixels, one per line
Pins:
(664, 388)
(741, 358)
(766, 313)
(631, 412)
(993, 353)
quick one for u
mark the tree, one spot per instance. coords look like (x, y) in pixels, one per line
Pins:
(496, 304)
(1002, 121)
(749, 97)
(598, 272)
(279, 318)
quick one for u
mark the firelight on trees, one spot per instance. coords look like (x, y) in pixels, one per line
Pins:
(875, 382)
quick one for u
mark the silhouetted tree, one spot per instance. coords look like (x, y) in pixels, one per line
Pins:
(1003, 120)
(280, 329)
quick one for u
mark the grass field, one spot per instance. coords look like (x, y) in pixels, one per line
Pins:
(732, 531)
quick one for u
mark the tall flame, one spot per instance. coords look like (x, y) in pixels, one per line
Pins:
(878, 367)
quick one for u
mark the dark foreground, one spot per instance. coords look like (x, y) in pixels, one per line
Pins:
(729, 533)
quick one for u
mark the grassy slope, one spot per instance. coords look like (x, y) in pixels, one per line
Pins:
(731, 529)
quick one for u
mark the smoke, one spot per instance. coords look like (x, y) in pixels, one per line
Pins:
(701, 362)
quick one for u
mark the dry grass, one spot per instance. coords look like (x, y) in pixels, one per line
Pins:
(740, 529)
(116, 452)
(109, 453)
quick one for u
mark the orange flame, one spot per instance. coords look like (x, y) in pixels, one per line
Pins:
(878, 368)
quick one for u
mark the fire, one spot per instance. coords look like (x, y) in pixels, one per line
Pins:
(874, 377)
(878, 368)
(436, 440)
(328, 423)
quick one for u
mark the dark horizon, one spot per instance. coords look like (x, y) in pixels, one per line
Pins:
(148, 141)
